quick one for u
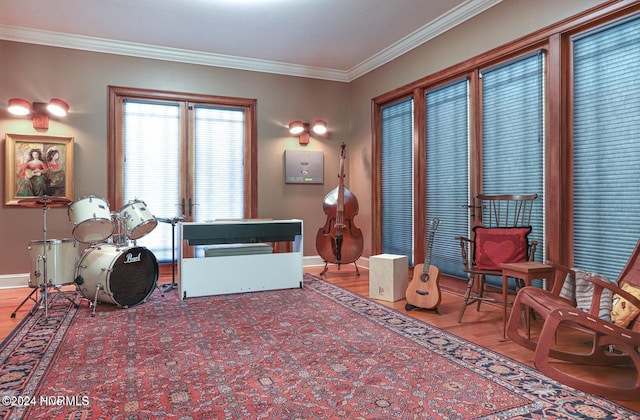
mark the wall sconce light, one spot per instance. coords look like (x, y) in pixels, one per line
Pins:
(302, 129)
(19, 106)
(40, 111)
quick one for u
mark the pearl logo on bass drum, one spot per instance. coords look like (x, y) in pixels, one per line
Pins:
(131, 259)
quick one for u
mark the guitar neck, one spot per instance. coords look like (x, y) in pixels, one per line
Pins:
(431, 231)
(427, 257)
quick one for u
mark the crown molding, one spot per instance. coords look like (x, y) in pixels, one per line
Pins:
(438, 26)
(107, 46)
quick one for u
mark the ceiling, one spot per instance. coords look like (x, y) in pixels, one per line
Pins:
(327, 39)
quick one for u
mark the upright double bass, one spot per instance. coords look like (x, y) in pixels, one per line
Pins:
(339, 241)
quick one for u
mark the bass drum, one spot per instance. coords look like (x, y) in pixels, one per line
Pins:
(123, 276)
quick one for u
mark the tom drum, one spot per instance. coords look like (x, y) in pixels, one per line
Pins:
(61, 256)
(137, 219)
(122, 276)
(91, 219)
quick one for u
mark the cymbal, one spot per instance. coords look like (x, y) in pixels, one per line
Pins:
(45, 201)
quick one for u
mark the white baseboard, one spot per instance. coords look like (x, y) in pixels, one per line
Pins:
(12, 281)
(317, 261)
(312, 261)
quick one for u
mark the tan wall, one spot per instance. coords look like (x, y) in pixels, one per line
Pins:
(38, 73)
(507, 21)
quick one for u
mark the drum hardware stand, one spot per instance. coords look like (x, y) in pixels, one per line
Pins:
(160, 288)
(95, 301)
(43, 302)
(79, 281)
(43, 289)
(173, 221)
(44, 293)
(93, 304)
(120, 240)
(13, 314)
(47, 290)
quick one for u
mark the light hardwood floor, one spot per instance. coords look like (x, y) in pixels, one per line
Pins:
(483, 327)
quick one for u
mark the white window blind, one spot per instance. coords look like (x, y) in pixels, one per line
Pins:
(155, 171)
(219, 163)
(152, 166)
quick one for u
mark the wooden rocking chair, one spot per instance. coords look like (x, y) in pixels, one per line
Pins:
(613, 343)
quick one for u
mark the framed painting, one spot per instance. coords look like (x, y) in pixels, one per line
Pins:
(37, 166)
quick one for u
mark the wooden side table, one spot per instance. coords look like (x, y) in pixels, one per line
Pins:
(526, 271)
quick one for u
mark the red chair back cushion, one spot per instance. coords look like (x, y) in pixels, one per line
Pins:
(494, 246)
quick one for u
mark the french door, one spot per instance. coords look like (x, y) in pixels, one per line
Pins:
(182, 158)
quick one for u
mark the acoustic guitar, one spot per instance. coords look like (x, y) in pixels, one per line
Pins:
(30, 173)
(423, 291)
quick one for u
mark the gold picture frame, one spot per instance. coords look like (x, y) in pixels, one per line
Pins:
(36, 166)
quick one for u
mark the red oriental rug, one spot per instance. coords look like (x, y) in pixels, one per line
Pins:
(319, 352)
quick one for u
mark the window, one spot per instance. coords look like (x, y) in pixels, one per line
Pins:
(513, 134)
(563, 106)
(448, 171)
(606, 150)
(510, 139)
(151, 159)
(397, 179)
(219, 163)
(181, 157)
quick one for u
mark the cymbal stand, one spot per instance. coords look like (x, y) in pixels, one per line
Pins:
(47, 285)
(173, 221)
(45, 202)
(45, 295)
(43, 301)
(38, 301)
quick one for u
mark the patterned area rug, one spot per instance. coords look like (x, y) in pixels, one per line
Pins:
(319, 352)
(26, 354)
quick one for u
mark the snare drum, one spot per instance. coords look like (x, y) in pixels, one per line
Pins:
(122, 276)
(61, 255)
(138, 221)
(91, 219)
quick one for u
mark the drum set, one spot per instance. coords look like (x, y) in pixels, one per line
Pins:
(110, 268)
